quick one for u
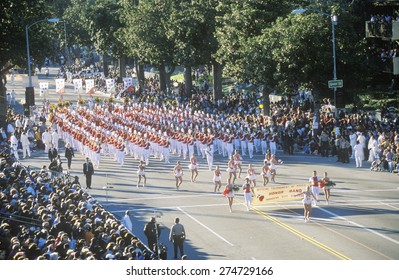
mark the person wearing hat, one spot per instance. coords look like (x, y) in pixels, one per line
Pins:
(88, 171)
(126, 221)
(46, 139)
(272, 143)
(352, 141)
(248, 189)
(177, 236)
(12, 97)
(25, 145)
(14, 146)
(152, 232)
(209, 155)
(54, 139)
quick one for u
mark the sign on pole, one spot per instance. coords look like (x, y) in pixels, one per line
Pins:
(335, 83)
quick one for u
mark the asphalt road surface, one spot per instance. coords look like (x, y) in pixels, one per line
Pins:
(360, 223)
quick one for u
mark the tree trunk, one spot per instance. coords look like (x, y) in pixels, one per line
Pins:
(122, 68)
(140, 74)
(168, 74)
(3, 100)
(266, 100)
(162, 77)
(316, 114)
(188, 81)
(217, 71)
(105, 64)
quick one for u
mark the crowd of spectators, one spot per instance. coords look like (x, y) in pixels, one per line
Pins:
(381, 25)
(383, 57)
(53, 218)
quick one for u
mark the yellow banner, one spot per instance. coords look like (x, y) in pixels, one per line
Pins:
(265, 195)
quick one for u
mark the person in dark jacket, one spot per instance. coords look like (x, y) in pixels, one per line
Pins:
(52, 153)
(69, 154)
(152, 231)
(88, 171)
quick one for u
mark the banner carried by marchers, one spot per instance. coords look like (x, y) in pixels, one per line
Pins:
(59, 85)
(127, 82)
(43, 87)
(110, 84)
(265, 195)
(89, 86)
(77, 84)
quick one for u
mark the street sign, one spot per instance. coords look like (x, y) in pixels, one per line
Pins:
(335, 83)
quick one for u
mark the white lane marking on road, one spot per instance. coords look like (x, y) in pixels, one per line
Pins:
(374, 190)
(390, 205)
(206, 227)
(332, 204)
(171, 207)
(359, 225)
(271, 205)
(161, 197)
(297, 217)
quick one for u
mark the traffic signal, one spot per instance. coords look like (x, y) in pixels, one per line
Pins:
(30, 96)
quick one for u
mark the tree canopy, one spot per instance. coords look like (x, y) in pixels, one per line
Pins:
(257, 41)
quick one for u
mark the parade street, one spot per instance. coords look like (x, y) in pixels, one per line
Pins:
(360, 222)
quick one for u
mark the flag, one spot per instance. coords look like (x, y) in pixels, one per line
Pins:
(59, 85)
(90, 86)
(110, 84)
(129, 89)
(128, 81)
(43, 87)
(77, 84)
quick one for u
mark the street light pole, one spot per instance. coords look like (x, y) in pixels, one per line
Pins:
(66, 45)
(27, 49)
(333, 23)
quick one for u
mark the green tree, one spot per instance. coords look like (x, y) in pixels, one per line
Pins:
(15, 15)
(239, 29)
(238, 23)
(190, 27)
(303, 52)
(97, 23)
(145, 36)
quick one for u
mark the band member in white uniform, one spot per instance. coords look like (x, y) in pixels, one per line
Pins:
(141, 174)
(265, 172)
(193, 166)
(217, 178)
(248, 192)
(14, 145)
(237, 162)
(307, 202)
(209, 155)
(178, 172)
(251, 175)
(231, 170)
(314, 183)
